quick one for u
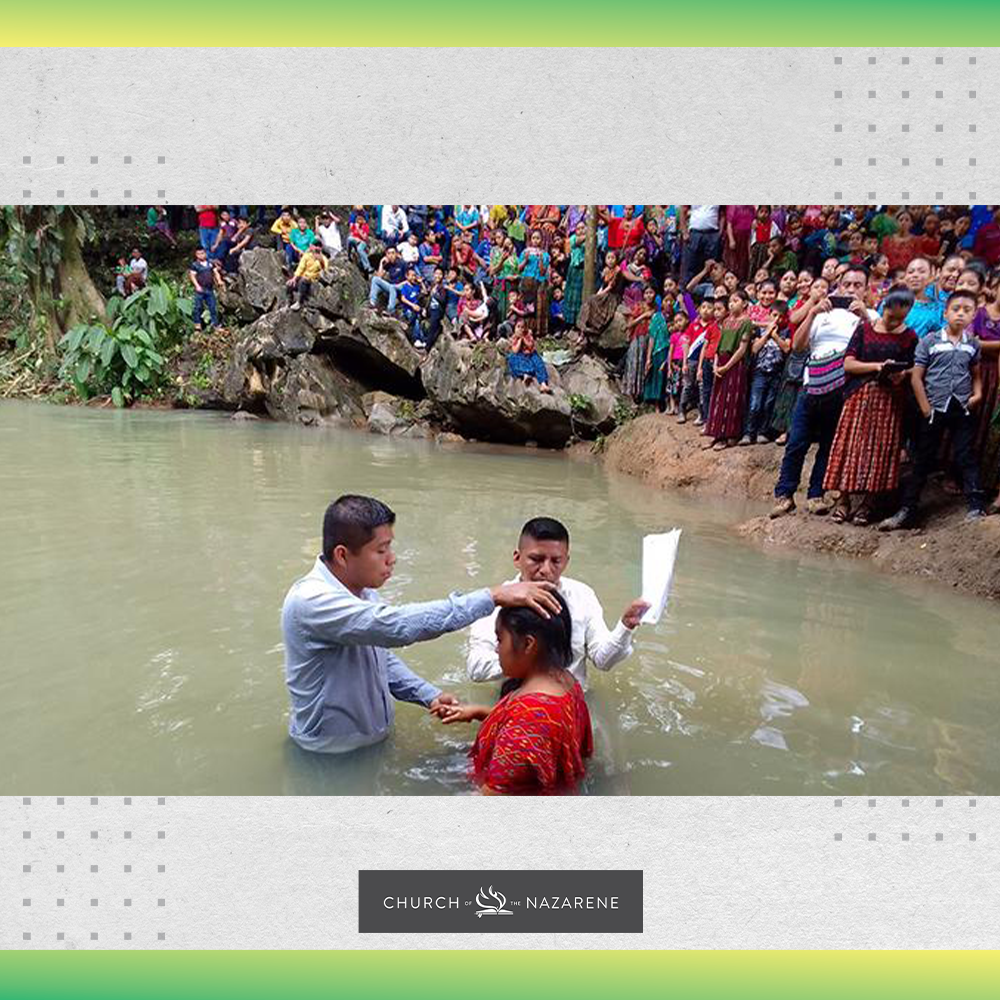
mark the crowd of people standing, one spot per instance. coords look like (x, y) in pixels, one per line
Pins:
(872, 332)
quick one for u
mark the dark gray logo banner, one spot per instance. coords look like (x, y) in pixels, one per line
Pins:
(499, 902)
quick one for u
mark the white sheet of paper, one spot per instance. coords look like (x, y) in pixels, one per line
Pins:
(658, 555)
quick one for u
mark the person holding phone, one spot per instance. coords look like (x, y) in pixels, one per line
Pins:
(864, 459)
(826, 330)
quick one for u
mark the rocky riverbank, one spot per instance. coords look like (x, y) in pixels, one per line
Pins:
(670, 456)
(340, 361)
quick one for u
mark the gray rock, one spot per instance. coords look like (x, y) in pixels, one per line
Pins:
(470, 385)
(341, 292)
(309, 389)
(278, 335)
(261, 281)
(589, 378)
(376, 352)
(614, 338)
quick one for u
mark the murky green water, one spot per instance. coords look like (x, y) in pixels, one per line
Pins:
(144, 558)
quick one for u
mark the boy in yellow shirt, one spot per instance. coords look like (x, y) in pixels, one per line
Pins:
(312, 264)
(282, 228)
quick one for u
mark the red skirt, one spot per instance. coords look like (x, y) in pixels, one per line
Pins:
(729, 402)
(864, 457)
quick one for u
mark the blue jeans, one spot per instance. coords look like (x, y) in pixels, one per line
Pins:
(763, 392)
(206, 237)
(705, 396)
(702, 245)
(203, 301)
(381, 285)
(814, 421)
(361, 249)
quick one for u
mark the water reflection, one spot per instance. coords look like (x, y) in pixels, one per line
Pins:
(145, 557)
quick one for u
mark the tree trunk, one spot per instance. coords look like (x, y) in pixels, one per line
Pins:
(82, 302)
(590, 254)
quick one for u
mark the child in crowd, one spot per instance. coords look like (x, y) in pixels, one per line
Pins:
(358, 242)
(697, 335)
(634, 378)
(454, 288)
(948, 386)
(473, 312)
(308, 271)
(409, 294)
(658, 356)
(557, 321)
(680, 342)
(729, 393)
(282, 228)
(523, 361)
(768, 349)
(706, 360)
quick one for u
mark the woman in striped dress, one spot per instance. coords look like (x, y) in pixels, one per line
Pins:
(729, 390)
(634, 379)
(504, 272)
(864, 458)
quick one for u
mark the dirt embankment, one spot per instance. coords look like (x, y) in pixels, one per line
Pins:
(672, 457)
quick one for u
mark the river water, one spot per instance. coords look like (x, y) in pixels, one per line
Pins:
(144, 557)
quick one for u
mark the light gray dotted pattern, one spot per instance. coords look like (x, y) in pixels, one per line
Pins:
(911, 818)
(934, 102)
(75, 881)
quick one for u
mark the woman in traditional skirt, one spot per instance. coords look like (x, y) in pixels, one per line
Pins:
(504, 272)
(864, 458)
(658, 356)
(729, 390)
(634, 378)
(534, 271)
(544, 220)
(573, 292)
(598, 311)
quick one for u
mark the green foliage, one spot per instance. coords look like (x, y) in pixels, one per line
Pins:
(579, 403)
(625, 410)
(127, 358)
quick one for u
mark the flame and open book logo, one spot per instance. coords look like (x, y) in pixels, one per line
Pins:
(494, 908)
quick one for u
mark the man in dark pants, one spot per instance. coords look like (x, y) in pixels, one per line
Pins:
(948, 386)
(700, 227)
(826, 331)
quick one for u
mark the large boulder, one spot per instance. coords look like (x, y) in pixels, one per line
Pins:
(592, 395)
(305, 389)
(341, 291)
(261, 281)
(278, 335)
(613, 340)
(375, 351)
(470, 385)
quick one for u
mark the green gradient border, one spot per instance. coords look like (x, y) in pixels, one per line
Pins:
(499, 975)
(186, 23)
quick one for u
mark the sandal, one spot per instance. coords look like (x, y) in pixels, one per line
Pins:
(840, 513)
(864, 516)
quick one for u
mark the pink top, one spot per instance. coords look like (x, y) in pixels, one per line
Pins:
(679, 342)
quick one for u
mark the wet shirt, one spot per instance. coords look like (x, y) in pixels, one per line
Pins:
(341, 673)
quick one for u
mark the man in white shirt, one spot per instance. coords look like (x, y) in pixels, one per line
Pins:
(826, 330)
(329, 233)
(394, 224)
(138, 272)
(541, 556)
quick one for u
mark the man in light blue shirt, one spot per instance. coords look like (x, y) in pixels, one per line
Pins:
(341, 674)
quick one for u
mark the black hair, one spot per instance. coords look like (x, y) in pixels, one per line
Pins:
(545, 529)
(351, 521)
(554, 635)
(767, 281)
(779, 306)
(961, 295)
(899, 297)
(857, 269)
(317, 243)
